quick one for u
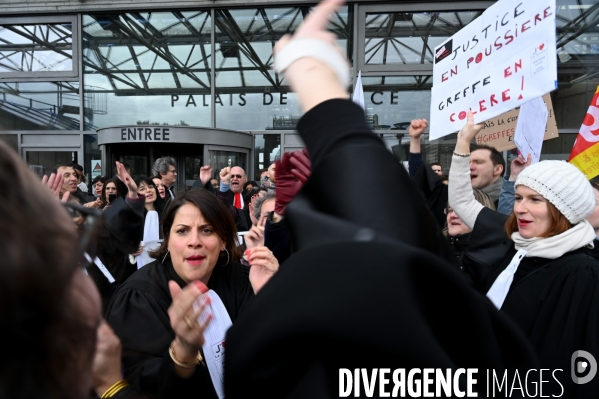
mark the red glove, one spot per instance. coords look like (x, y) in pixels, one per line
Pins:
(291, 173)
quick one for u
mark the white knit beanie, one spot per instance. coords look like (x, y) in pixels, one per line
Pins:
(562, 184)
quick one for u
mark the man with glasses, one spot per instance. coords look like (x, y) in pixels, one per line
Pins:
(165, 168)
(230, 192)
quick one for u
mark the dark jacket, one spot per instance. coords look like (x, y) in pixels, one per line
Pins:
(431, 186)
(119, 236)
(370, 285)
(83, 197)
(138, 315)
(241, 217)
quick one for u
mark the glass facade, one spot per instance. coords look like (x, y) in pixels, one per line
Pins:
(393, 101)
(212, 67)
(39, 106)
(578, 60)
(249, 94)
(32, 48)
(46, 161)
(398, 38)
(147, 68)
(267, 148)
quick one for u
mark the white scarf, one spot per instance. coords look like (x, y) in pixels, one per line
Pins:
(580, 235)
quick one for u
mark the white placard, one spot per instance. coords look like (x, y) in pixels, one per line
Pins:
(214, 338)
(530, 128)
(502, 59)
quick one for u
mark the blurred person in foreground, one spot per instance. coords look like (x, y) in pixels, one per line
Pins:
(49, 309)
(365, 289)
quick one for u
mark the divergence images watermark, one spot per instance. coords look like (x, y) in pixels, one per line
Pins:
(459, 383)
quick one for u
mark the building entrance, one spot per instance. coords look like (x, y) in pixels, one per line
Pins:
(140, 146)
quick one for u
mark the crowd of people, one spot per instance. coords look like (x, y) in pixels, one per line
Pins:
(127, 289)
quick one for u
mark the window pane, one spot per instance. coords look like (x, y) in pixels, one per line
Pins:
(39, 106)
(220, 160)
(12, 140)
(393, 101)
(267, 148)
(250, 95)
(578, 60)
(410, 38)
(46, 161)
(151, 67)
(36, 48)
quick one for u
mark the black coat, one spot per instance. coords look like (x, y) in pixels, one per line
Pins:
(370, 285)
(431, 186)
(241, 217)
(555, 302)
(119, 236)
(138, 315)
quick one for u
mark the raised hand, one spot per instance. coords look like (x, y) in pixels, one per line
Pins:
(518, 165)
(313, 80)
(205, 174)
(293, 171)
(54, 183)
(302, 166)
(417, 127)
(255, 237)
(126, 178)
(225, 175)
(470, 130)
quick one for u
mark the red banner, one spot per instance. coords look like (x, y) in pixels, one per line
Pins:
(585, 153)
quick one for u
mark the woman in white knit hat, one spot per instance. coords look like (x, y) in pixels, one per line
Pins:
(534, 264)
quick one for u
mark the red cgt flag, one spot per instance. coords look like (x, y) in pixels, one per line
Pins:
(585, 153)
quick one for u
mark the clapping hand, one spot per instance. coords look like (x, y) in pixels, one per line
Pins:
(54, 183)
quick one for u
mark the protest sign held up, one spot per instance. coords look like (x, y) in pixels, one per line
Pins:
(501, 60)
(498, 132)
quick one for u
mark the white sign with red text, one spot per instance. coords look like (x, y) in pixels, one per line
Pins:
(502, 59)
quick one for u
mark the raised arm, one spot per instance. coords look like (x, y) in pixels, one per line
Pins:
(341, 145)
(416, 129)
(461, 196)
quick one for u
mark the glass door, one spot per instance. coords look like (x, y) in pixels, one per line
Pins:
(219, 157)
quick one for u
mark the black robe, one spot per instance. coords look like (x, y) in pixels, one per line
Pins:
(120, 234)
(554, 301)
(370, 285)
(138, 315)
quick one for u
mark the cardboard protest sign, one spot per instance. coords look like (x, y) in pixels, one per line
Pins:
(499, 131)
(502, 59)
(530, 128)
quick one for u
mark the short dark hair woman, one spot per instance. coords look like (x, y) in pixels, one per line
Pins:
(152, 311)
